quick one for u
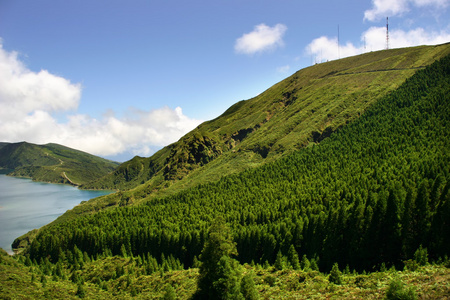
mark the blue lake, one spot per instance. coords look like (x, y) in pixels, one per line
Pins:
(26, 205)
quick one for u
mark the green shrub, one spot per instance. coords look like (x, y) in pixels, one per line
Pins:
(293, 258)
(280, 261)
(411, 265)
(305, 264)
(398, 291)
(421, 256)
(169, 293)
(248, 288)
(335, 275)
(80, 291)
(270, 280)
(227, 284)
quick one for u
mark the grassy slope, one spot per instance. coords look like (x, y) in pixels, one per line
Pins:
(430, 282)
(53, 163)
(300, 110)
(16, 282)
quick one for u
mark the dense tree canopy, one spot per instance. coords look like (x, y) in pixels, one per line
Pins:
(373, 192)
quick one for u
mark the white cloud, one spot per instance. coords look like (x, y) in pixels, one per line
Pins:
(283, 69)
(388, 8)
(438, 3)
(28, 99)
(383, 8)
(262, 38)
(139, 132)
(325, 48)
(23, 91)
(376, 38)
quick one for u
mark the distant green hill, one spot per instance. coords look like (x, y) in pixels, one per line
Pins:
(3, 144)
(297, 112)
(53, 163)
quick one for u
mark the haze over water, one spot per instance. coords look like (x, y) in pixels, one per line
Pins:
(26, 205)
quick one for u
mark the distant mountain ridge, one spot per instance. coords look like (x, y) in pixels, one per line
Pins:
(53, 163)
(297, 112)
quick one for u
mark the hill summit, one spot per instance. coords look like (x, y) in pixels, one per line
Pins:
(297, 112)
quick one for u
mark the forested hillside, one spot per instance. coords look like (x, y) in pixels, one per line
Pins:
(368, 196)
(53, 163)
(372, 197)
(301, 110)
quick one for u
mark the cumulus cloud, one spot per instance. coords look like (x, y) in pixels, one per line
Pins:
(386, 8)
(262, 38)
(138, 132)
(325, 48)
(23, 91)
(376, 38)
(29, 100)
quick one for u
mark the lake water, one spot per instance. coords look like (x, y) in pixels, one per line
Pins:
(26, 205)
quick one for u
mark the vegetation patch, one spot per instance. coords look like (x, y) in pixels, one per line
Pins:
(53, 163)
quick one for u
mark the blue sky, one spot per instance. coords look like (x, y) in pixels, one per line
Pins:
(124, 78)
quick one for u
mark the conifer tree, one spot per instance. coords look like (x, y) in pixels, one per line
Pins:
(80, 290)
(218, 271)
(169, 293)
(421, 256)
(422, 213)
(248, 288)
(279, 261)
(314, 265)
(305, 264)
(335, 275)
(195, 262)
(123, 251)
(293, 258)
(228, 283)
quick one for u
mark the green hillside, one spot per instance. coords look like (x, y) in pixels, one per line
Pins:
(390, 164)
(3, 144)
(372, 197)
(299, 111)
(53, 163)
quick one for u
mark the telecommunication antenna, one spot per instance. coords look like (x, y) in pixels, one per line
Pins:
(387, 33)
(364, 44)
(339, 50)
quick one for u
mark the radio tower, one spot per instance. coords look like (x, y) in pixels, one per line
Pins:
(387, 33)
(339, 50)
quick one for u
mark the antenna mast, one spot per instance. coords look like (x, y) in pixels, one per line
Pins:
(364, 44)
(387, 33)
(339, 50)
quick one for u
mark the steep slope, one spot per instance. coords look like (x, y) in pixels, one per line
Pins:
(53, 163)
(367, 198)
(371, 194)
(299, 111)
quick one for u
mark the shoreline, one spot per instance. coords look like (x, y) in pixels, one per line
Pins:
(16, 220)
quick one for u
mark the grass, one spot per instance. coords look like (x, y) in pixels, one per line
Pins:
(314, 101)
